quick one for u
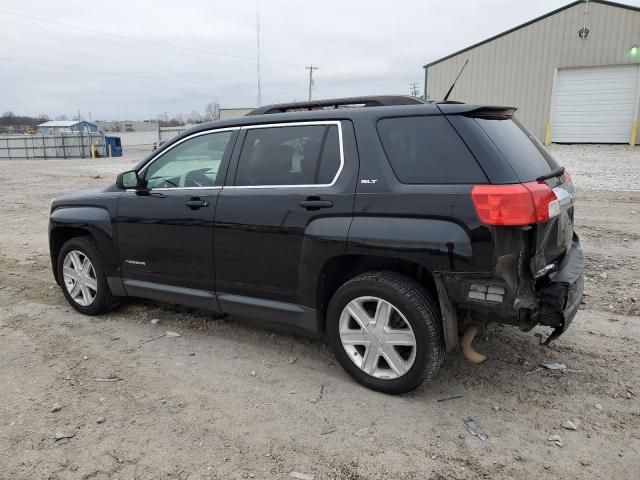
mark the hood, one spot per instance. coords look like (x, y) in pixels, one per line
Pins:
(85, 196)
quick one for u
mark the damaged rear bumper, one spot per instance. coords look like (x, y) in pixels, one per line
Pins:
(550, 301)
(561, 294)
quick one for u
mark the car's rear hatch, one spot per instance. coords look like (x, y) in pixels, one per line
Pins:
(510, 155)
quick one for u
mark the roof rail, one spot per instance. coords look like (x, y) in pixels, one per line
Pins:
(349, 102)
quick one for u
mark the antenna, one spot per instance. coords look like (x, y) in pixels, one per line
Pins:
(446, 97)
(583, 33)
(259, 99)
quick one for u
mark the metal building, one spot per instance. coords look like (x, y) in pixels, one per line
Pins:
(574, 73)
(66, 126)
(226, 113)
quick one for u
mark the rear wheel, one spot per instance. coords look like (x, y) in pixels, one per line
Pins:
(81, 275)
(385, 331)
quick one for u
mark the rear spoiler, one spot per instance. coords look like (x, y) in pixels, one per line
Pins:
(477, 111)
(492, 112)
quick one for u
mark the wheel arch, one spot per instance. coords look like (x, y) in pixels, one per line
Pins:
(337, 270)
(68, 223)
(57, 238)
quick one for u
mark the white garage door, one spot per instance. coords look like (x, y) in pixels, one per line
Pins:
(594, 104)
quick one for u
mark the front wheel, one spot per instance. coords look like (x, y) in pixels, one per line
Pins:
(385, 330)
(82, 277)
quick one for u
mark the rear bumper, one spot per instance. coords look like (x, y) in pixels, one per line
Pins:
(551, 301)
(561, 296)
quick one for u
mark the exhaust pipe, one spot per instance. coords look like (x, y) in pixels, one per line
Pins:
(467, 349)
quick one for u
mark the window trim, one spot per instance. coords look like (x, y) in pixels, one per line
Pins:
(170, 147)
(337, 123)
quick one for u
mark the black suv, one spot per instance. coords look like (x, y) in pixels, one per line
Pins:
(390, 224)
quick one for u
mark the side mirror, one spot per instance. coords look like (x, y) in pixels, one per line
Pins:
(128, 179)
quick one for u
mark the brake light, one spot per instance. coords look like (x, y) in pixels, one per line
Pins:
(514, 204)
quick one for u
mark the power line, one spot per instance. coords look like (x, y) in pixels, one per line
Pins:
(183, 49)
(311, 68)
(101, 72)
(140, 40)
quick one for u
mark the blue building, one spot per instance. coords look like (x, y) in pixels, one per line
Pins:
(66, 126)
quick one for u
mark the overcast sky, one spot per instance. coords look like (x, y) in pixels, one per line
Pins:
(126, 59)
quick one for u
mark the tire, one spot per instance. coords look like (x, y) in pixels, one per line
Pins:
(413, 311)
(100, 300)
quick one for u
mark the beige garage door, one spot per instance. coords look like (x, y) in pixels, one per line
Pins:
(594, 105)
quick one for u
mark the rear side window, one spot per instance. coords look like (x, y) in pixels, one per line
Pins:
(520, 149)
(294, 155)
(427, 150)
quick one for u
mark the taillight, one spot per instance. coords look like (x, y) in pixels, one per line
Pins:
(514, 204)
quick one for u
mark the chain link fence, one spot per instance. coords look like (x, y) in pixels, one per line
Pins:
(57, 145)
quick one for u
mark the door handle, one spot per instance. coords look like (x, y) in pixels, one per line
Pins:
(196, 203)
(315, 203)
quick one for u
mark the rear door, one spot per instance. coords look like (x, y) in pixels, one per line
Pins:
(284, 178)
(510, 154)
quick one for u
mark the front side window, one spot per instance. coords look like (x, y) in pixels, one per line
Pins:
(193, 163)
(292, 155)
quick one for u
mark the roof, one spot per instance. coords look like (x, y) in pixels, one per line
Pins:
(62, 123)
(366, 114)
(537, 19)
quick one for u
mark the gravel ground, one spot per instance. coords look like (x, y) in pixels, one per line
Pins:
(614, 168)
(232, 399)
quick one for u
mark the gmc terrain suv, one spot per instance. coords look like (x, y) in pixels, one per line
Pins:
(389, 224)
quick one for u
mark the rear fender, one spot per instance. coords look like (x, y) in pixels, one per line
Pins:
(438, 245)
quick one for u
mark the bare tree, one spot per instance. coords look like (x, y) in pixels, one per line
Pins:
(194, 117)
(212, 111)
(61, 117)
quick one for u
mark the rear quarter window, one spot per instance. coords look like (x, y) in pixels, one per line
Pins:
(427, 150)
(519, 148)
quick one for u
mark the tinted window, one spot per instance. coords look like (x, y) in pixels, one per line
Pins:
(427, 150)
(192, 163)
(525, 154)
(330, 161)
(286, 156)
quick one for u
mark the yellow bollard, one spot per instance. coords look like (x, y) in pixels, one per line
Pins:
(547, 134)
(634, 134)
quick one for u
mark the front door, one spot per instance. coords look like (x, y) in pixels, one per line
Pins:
(165, 232)
(285, 178)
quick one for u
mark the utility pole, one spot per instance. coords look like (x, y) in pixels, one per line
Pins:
(413, 88)
(166, 116)
(311, 68)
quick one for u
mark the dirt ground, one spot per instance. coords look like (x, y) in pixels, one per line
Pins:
(232, 399)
